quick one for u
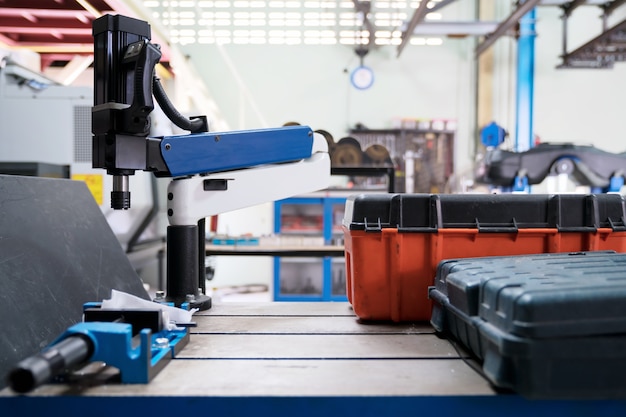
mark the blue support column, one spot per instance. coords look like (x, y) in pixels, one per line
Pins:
(524, 137)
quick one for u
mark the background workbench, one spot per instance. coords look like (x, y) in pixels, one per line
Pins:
(303, 359)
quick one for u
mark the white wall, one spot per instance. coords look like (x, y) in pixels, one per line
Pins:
(310, 85)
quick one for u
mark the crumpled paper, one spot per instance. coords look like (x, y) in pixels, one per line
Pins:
(171, 315)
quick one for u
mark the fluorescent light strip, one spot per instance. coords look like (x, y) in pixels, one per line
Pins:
(312, 18)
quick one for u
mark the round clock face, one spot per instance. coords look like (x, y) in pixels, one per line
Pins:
(362, 77)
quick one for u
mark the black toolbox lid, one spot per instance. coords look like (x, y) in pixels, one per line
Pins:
(485, 212)
(542, 296)
(460, 279)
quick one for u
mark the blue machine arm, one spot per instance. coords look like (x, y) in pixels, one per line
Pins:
(208, 152)
(124, 61)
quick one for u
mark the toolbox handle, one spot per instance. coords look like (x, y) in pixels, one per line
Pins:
(617, 226)
(500, 228)
(581, 229)
(372, 227)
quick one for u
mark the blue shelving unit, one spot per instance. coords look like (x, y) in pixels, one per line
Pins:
(309, 278)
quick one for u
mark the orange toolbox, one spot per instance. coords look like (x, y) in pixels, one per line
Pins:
(393, 242)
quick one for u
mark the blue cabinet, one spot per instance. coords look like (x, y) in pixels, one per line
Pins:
(310, 225)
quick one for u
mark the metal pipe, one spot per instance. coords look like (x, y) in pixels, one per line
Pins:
(525, 82)
(564, 33)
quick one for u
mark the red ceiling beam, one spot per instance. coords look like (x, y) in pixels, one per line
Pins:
(44, 13)
(48, 59)
(7, 40)
(43, 23)
(46, 31)
(60, 27)
(51, 4)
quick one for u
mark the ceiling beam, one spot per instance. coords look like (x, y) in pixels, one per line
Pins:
(51, 13)
(43, 23)
(48, 58)
(418, 16)
(76, 66)
(440, 5)
(610, 7)
(7, 41)
(89, 7)
(46, 30)
(568, 8)
(63, 48)
(506, 25)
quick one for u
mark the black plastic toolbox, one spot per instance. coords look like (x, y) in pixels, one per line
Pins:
(546, 326)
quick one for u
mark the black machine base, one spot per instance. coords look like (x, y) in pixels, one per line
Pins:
(201, 302)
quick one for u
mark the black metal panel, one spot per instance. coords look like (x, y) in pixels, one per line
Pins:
(35, 169)
(57, 252)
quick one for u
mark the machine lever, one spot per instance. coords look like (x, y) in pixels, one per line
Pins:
(42, 367)
(144, 56)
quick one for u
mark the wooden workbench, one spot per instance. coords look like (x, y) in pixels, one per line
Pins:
(303, 359)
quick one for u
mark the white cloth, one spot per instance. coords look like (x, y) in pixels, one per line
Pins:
(171, 315)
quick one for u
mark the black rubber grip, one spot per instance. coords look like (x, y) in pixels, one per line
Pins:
(42, 367)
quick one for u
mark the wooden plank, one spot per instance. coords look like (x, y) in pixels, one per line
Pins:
(300, 325)
(370, 346)
(302, 378)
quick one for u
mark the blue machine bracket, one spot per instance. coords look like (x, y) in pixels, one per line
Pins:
(225, 151)
(113, 345)
(135, 341)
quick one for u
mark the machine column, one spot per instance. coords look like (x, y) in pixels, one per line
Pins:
(183, 267)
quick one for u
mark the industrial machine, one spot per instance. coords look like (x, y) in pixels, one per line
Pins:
(586, 165)
(212, 172)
